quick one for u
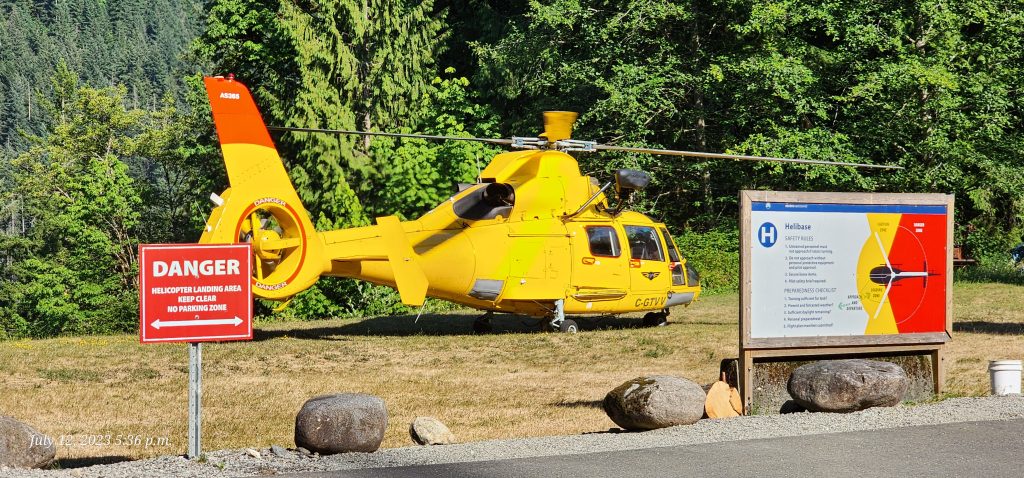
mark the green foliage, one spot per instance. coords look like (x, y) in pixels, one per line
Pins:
(414, 177)
(86, 173)
(715, 256)
(73, 268)
(991, 270)
(331, 64)
(76, 270)
(135, 43)
(350, 66)
(931, 86)
(417, 175)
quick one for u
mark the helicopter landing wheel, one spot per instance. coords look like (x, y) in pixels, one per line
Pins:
(568, 326)
(482, 324)
(558, 319)
(656, 319)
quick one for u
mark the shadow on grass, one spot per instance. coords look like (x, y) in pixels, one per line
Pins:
(580, 404)
(68, 463)
(982, 327)
(437, 325)
(1001, 274)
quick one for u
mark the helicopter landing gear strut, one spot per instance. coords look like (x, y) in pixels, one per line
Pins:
(482, 324)
(656, 319)
(559, 322)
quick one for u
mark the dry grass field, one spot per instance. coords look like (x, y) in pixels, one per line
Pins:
(86, 392)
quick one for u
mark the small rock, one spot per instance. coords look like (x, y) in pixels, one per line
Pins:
(656, 401)
(253, 453)
(76, 473)
(341, 423)
(21, 446)
(847, 385)
(303, 451)
(279, 450)
(430, 431)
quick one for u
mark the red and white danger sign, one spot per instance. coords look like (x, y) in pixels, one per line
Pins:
(195, 292)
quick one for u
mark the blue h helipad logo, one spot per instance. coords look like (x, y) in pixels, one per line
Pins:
(767, 234)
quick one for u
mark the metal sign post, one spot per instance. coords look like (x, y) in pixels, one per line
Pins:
(195, 398)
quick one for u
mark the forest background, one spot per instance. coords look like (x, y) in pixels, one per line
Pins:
(106, 140)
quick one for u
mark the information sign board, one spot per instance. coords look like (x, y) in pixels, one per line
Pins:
(820, 269)
(195, 292)
(852, 274)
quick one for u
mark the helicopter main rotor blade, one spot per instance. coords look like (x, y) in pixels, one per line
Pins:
(503, 142)
(537, 143)
(696, 154)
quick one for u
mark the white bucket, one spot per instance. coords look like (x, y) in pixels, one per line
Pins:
(1005, 376)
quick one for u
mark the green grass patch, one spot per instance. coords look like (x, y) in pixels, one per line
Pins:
(68, 375)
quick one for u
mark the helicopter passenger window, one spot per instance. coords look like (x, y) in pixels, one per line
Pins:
(644, 243)
(603, 241)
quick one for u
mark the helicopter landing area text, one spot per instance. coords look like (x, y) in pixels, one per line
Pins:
(846, 269)
(195, 290)
(197, 303)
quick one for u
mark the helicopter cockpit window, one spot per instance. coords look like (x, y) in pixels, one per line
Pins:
(603, 241)
(673, 256)
(644, 243)
(486, 202)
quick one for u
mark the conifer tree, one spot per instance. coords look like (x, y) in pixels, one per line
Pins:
(330, 64)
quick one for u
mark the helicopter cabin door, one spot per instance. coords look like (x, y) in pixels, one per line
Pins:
(599, 265)
(649, 275)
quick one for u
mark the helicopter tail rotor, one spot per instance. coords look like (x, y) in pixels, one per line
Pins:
(261, 206)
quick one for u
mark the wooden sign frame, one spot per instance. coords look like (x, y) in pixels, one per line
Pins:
(753, 348)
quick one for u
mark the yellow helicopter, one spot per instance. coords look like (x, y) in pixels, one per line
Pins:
(533, 236)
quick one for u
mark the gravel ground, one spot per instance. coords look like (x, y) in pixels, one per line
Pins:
(233, 463)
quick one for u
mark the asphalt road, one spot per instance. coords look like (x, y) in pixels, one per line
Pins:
(989, 449)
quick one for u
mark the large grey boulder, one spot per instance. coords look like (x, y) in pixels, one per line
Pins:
(656, 401)
(21, 446)
(430, 431)
(847, 385)
(341, 423)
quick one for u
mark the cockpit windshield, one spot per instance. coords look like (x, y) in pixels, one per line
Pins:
(644, 243)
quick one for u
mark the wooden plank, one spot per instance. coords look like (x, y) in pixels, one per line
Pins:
(746, 380)
(745, 271)
(823, 352)
(717, 403)
(847, 341)
(939, 370)
(949, 264)
(902, 199)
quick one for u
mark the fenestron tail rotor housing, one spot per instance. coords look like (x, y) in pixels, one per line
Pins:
(278, 243)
